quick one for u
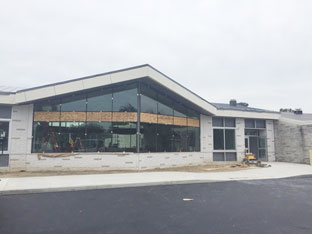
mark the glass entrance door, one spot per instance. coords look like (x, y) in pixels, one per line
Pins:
(257, 146)
(4, 137)
(263, 149)
(253, 146)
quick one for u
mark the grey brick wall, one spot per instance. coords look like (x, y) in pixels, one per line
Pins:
(292, 141)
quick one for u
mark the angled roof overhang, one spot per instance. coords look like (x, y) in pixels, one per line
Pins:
(114, 77)
(85, 83)
(248, 114)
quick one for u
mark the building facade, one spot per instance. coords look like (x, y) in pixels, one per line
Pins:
(131, 119)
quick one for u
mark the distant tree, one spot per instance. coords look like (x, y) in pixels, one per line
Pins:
(128, 108)
(286, 110)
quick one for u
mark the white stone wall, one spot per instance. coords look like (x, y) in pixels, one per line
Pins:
(105, 161)
(240, 138)
(206, 134)
(20, 136)
(270, 140)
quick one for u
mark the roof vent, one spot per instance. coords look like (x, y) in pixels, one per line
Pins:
(298, 112)
(233, 102)
(245, 104)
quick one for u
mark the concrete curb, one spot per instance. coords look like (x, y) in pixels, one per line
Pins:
(106, 186)
(84, 182)
(133, 185)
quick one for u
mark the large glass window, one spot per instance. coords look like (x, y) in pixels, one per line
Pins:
(105, 120)
(99, 137)
(218, 139)
(100, 101)
(72, 137)
(50, 105)
(148, 100)
(47, 137)
(260, 123)
(224, 139)
(250, 123)
(4, 136)
(229, 139)
(148, 137)
(180, 110)
(125, 99)
(165, 105)
(193, 139)
(224, 133)
(180, 142)
(224, 156)
(223, 122)
(174, 128)
(217, 122)
(255, 123)
(123, 137)
(255, 138)
(165, 138)
(74, 103)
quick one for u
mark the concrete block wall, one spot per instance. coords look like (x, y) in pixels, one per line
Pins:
(240, 138)
(206, 134)
(167, 160)
(292, 141)
(307, 144)
(104, 161)
(270, 140)
(20, 136)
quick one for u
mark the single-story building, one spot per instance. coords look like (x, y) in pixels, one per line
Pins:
(131, 119)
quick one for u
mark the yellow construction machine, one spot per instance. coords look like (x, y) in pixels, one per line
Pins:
(250, 159)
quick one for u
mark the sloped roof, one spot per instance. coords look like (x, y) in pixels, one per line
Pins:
(4, 90)
(299, 117)
(75, 85)
(30, 95)
(238, 107)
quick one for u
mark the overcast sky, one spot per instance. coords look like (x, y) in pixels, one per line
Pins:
(257, 51)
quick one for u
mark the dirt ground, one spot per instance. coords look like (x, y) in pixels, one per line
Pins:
(197, 169)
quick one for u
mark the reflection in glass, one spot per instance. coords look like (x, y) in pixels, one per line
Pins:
(72, 136)
(123, 137)
(100, 101)
(218, 139)
(99, 137)
(46, 137)
(76, 103)
(229, 139)
(79, 132)
(4, 135)
(148, 137)
(125, 99)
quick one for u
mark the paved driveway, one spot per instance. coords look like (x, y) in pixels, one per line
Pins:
(260, 207)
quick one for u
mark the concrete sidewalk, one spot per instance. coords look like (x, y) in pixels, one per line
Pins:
(101, 181)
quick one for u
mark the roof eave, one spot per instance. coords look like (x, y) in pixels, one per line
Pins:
(248, 114)
(61, 88)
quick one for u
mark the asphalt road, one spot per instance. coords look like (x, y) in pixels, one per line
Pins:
(263, 206)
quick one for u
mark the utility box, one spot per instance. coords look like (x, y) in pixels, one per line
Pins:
(311, 157)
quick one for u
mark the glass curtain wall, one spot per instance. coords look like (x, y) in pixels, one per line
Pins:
(102, 120)
(105, 120)
(166, 125)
